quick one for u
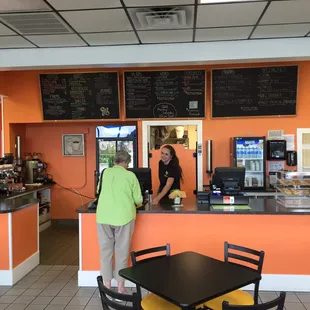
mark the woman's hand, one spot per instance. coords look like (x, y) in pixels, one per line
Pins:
(155, 200)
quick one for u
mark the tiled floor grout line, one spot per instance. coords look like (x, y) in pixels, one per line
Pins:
(46, 288)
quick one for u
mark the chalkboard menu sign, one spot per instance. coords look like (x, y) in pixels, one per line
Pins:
(254, 91)
(165, 94)
(80, 96)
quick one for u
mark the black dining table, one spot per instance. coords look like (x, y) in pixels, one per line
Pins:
(189, 279)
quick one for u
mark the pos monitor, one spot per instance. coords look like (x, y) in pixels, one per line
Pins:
(144, 176)
(229, 179)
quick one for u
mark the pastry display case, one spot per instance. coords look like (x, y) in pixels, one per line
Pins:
(295, 189)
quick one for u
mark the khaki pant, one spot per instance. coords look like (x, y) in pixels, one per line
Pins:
(114, 239)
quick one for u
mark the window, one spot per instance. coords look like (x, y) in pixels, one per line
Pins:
(116, 132)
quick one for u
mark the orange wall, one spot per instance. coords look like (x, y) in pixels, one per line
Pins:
(17, 130)
(3, 90)
(23, 105)
(68, 172)
(206, 233)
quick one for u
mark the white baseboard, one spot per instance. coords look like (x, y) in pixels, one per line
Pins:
(6, 277)
(45, 225)
(10, 277)
(269, 282)
(283, 282)
(89, 278)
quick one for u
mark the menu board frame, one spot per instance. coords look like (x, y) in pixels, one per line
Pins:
(255, 67)
(161, 70)
(84, 119)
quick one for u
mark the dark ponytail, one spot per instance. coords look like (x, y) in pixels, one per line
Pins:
(174, 159)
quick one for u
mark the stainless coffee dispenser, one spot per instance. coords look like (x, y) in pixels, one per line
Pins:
(31, 167)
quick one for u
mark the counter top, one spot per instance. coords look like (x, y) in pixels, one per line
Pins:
(29, 189)
(12, 205)
(191, 206)
(16, 201)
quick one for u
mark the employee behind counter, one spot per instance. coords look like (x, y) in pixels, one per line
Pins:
(170, 173)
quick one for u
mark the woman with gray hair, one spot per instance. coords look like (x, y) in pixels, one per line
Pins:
(116, 213)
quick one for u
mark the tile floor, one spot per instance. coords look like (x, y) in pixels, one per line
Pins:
(54, 287)
(59, 245)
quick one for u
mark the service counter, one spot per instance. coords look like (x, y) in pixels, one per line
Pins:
(19, 234)
(284, 235)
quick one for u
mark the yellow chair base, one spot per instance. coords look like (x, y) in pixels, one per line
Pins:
(154, 302)
(237, 297)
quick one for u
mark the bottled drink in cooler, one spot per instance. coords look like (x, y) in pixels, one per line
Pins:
(246, 152)
(241, 152)
(238, 151)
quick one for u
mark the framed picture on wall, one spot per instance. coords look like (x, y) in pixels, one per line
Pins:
(73, 145)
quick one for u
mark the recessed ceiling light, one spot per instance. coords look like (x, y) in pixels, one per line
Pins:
(225, 1)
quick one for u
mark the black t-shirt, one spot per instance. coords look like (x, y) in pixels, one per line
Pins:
(168, 171)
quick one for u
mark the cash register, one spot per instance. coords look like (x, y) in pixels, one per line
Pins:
(226, 186)
(144, 177)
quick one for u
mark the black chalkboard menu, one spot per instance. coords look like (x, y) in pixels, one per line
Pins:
(80, 96)
(254, 91)
(165, 94)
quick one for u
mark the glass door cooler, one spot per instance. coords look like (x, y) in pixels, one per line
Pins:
(250, 152)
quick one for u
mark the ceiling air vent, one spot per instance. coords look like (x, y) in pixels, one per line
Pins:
(35, 23)
(162, 18)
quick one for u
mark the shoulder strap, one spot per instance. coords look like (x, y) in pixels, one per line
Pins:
(100, 183)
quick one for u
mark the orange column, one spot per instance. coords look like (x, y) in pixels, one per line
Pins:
(4, 242)
(24, 234)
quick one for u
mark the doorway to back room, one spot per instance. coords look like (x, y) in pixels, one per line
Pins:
(186, 138)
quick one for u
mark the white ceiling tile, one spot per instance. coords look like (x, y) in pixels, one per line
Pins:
(83, 4)
(165, 36)
(150, 19)
(278, 12)
(278, 31)
(22, 5)
(236, 14)
(155, 3)
(216, 34)
(57, 40)
(14, 42)
(111, 38)
(98, 20)
(4, 31)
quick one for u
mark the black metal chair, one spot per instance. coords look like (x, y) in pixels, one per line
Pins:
(152, 301)
(134, 255)
(108, 295)
(277, 303)
(248, 258)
